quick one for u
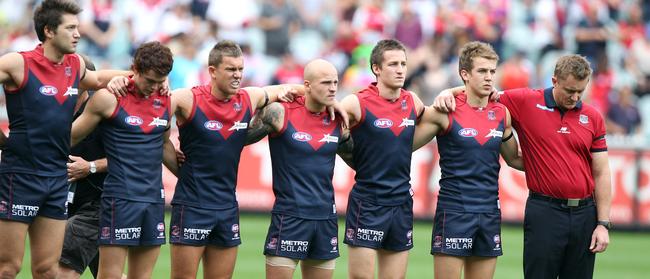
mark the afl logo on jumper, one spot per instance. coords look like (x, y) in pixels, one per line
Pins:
(48, 90)
(301, 136)
(468, 132)
(383, 123)
(213, 125)
(133, 120)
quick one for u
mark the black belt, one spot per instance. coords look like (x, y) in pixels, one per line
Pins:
(563, 202)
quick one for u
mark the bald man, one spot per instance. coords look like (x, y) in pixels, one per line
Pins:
(303, 143)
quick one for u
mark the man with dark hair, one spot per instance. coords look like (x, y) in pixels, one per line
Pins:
(41, 89)
(135, 132)
(303, 143)
(466, 237)
(567, 172)
(379, 222)
(213, 123)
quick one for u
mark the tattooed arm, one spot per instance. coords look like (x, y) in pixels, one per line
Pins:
(267, 120)
(345, 148)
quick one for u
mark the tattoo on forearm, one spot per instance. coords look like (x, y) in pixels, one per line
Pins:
(262, 123)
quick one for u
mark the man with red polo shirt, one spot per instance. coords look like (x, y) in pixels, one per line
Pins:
(567, 171)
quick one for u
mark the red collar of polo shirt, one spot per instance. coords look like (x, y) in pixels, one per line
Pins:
(550, 101)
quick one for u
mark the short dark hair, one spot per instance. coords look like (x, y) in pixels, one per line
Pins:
(575, 65)
(472, 50)
(377, 54)
(221, 49)
(153, 56)
(48, 14)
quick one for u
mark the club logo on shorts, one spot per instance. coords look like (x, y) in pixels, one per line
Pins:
(301, 136)
(48, 90)
(106, 233)
(213, 125)
(383, 123)
(273, 243)
(176, 231)
(133, 120)
(161, 230)
(235, 230)
(497, 242)
(3, 207)
(335, 242)
(468, 132)
(349, 233)
(236, 106)
(492, 115)
(437, 241)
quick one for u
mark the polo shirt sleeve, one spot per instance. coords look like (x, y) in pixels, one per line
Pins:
(514, 100)
(599, 142)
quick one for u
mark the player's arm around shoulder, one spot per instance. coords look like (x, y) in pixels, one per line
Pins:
(431, 123)
(352, 107)
(345, 147)
(100, 106)
(12, 70)
(98, 79)
(262, 96)
(268, 120)
(182, 102)
(510, 146)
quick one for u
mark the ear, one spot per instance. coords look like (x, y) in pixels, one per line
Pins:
(464, 75)
(213, 72)
(554, 81)
(48, 32)
(375, 69)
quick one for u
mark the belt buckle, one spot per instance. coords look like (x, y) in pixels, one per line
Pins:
(572, 202)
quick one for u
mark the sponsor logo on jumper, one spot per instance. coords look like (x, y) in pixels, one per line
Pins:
(273, 243)
(457, 243)
(238, 125)
(494, 134)
(158, 122)
(301, 136)
(213, 125)
(195, 234)
(133, 120)
(370, 235)
(48, 90)
(128, 233)
(468, 132)
(564, 130)
(584, 119)
(24, 210)
(491, 115)
(407, 122)
(383, 123)
(294, 245)
(328, 138)
(71, 91)
(68, 71)
(236, 106)
(545, 108)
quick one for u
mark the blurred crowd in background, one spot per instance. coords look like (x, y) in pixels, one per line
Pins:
(279, 36)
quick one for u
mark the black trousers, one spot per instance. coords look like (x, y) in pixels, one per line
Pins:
(557, 239)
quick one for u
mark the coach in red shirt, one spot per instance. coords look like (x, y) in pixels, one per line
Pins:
(567, 171)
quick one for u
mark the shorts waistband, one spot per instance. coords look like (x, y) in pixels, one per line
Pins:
(563, 202)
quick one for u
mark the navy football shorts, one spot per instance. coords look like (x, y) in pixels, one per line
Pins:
(201, 227)
(131, 223)
(298, 238)
(466, 234)
(379, 226)
(25, 196)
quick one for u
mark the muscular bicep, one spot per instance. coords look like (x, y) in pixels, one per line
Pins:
(352, 106)
(431, 124)
(100, 106)
(267, 120)
(11, 70)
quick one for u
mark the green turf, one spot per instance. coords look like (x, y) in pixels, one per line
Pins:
(626, 257)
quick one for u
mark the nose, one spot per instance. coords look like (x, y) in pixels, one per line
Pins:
(76, 33)
(237, 74)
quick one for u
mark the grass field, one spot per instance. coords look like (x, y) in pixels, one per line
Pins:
(626, 257)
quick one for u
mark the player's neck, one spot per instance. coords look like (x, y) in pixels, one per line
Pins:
(219, 95)
(474, 100)
(388, 93)
(51, 53)
(312, 106)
